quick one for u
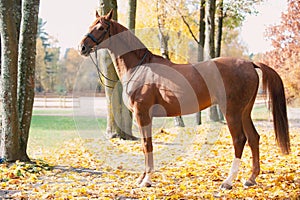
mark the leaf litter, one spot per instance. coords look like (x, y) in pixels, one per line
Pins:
(190, 164)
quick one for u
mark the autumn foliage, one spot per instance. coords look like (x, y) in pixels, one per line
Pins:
(190, 164)
(285, 58)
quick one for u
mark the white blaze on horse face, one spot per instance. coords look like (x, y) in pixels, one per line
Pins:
(233, 171)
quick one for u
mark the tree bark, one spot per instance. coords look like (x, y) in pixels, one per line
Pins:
(113, 104)
(9, 145)
(131, 15)
(219, 41)
(201, 45)
(210, 29)
(17, 70)
(210, 45)
(201, 31)
(112, 130)
(0, 59)
(219, 28)
(119, 118)
(26, 67)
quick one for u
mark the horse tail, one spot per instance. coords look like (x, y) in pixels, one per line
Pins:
(272, 83)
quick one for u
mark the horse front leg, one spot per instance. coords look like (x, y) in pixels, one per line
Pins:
(145, 179)
(145, 127)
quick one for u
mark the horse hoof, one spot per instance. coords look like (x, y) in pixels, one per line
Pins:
(146, 184)
(249, 183)
(140, 179)
(225, 186)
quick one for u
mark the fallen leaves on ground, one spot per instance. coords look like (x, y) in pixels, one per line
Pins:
(190, 164)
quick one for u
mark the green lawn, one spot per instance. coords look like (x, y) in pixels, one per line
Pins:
(69, 123)
(53, 131)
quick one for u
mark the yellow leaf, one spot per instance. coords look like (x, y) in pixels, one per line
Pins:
(182, 187)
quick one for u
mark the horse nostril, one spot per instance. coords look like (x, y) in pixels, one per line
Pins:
(83, 48)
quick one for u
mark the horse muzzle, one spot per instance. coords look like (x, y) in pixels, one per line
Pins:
(85, 50)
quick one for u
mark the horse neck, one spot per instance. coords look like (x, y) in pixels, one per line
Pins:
(127, 50)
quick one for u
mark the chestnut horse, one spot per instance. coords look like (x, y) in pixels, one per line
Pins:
(155, 87)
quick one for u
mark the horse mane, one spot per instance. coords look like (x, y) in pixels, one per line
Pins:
(130, 41)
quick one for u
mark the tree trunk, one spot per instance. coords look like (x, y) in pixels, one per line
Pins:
(119, 119)
(131, 15)
(26, 67)
(162, 34)
(210, 29)
(219, 42)
(9, 144)
(201, 45)
(112, 130)
(17, 102)
(113, 105)
(0, 60)
(210, 45)
(219, 28)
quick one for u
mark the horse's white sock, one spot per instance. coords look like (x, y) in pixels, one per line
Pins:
(146, 181)
(233, 171)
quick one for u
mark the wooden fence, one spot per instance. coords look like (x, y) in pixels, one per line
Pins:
(54, 101)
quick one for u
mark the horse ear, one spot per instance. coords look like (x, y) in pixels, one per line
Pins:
(97, 14)
(109, 15)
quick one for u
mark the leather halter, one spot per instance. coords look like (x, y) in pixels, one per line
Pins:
(101, 38)
(97, 42)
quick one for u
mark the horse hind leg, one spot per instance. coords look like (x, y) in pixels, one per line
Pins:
(239, 139)
(253, 141)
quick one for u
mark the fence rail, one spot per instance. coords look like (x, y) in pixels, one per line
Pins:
(56, 102)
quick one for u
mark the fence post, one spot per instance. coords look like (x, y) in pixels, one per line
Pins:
(45, 101)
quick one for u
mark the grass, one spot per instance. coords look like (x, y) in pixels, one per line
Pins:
(48, 131)
(52, 112)
(44, 122)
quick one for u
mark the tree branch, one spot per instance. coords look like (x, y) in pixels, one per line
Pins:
(190, 30)
(183, 19)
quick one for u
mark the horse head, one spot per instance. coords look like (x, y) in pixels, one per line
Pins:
(98, 32)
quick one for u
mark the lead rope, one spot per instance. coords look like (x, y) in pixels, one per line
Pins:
(100, 73)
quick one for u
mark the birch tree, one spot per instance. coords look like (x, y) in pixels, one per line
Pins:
(17, 75)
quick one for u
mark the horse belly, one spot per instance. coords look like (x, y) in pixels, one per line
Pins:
(172, 103)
